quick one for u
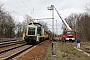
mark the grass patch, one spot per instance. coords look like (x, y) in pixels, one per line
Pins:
(48, 55)
(66, 51)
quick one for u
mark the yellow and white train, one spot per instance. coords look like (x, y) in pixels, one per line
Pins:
(35, 33)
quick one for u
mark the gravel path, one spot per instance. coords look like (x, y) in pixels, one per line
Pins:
(36, 53)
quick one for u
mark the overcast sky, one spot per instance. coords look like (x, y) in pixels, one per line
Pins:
(38, 9)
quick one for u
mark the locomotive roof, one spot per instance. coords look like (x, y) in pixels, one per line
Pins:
(37, 24)
(69, 30)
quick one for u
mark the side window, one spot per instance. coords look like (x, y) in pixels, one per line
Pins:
(39, 30)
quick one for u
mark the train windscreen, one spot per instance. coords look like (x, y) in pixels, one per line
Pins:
(31, 31)
(70, 32)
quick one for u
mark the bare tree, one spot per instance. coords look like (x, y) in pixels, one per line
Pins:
(27, 20)
(88, 8)
(71, 20)
(7, 24)
(83, 26)
(80, 23)
(44, 25)
(19, 30)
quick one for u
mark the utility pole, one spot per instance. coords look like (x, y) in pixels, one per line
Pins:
(53, 22)
(56, 26)
(53, 36)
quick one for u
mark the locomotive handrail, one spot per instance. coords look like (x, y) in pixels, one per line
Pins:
(42, 18)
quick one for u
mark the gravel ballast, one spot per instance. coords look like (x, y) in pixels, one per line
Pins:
(36, 53)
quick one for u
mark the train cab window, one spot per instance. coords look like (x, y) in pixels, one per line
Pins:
(31, 31)
(70, 32)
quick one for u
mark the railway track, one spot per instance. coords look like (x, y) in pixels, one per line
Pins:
(9, 50)
(5, 44)
(8, 39)
(12, 52)
(2, 50)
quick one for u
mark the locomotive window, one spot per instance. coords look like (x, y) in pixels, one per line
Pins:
(39, 31)
(31, 31)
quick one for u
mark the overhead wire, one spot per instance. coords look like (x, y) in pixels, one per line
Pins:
(44, 12)
(29, 1)
(32, 9)
(26, 5)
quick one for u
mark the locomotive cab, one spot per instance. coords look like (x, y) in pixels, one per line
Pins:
(34, 33)
(30, 33)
